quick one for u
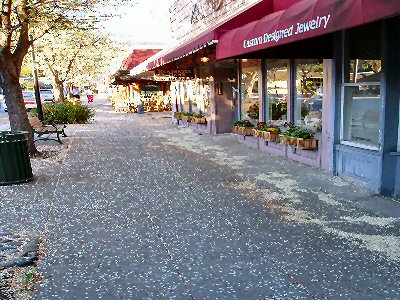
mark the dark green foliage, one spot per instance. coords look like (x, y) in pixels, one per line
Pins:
(66, 113)
(243, 123)
(298, 133)
(200, 115)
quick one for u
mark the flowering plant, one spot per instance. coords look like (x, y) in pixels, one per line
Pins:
(273, 129)
(298, 133)
(243, 123)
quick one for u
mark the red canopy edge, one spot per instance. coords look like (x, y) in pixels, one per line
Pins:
(303, 20)
(137, 57)
(181, 51)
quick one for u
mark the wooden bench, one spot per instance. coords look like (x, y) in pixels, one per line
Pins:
(45, 131)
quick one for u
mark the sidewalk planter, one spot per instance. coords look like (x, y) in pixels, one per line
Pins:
(288, 140)
(186, 118)
(200, 120)
(235, 129)
(15, 165)
(270, 136)
(307, 144)
(292, 141)
(178, 116)
(257, 133)
(246, 131)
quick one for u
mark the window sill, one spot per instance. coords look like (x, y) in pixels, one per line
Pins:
(357, 149)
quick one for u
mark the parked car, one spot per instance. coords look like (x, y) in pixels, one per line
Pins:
(47, 96)
(29, 99)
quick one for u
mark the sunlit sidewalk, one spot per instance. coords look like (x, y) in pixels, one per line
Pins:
(134, 207)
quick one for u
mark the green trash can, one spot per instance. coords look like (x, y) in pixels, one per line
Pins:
(15, 164)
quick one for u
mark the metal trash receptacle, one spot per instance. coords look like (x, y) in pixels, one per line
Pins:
(15, 164)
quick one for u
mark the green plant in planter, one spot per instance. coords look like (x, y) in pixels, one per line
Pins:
(298, 133)
(290, 132)
(246, 123)
(200, 115)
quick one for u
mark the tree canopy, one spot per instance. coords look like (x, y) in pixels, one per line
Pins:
(24, 21)
(71, 55)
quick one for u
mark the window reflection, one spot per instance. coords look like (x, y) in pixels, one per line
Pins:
(277, 89)
(362, 114)
(309, 94)
(249, 90)
(363, 70)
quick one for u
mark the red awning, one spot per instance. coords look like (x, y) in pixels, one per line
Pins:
(303, 20)
(201, 42)
(138, 56)
(212, 36)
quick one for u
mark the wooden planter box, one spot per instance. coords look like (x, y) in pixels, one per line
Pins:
(235, 129)
(292, 141)
(200, 120)
(257, 133)
(271, 136)
(288, 140)
(187, 118)
(283, 139)
(245, 131)
(307, 144)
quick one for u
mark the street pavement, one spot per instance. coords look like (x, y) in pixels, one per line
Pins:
(133, 207)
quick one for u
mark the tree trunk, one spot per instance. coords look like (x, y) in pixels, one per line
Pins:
(16, 109)
(58, 84)
(58, 90)
(69, 89)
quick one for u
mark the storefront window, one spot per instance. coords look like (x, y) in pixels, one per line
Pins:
(277, 89)
(309, 94)
(362, 103)
(249, 90)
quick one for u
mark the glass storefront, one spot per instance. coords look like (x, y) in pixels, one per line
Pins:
(249, 109)
(309, 94)
(361, 106)
(277, 89)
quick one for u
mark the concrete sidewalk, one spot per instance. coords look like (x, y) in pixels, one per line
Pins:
(133, 207)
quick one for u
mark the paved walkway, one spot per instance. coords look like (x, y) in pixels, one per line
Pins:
(133, 207)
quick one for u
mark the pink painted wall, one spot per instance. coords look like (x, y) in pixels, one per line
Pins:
(283, 4)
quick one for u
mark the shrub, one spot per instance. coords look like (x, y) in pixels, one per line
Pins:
(66, 113)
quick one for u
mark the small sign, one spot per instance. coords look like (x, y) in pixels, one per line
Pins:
(178, 73)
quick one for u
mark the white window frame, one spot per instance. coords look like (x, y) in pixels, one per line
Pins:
(349, 143)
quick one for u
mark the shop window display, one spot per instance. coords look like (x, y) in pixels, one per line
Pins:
(277, 89)
(361, 112)
(309, 94)
(249, 90)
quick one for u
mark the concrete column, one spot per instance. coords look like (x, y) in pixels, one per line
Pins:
(261, 91)
(328, 104)
(390, 111)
